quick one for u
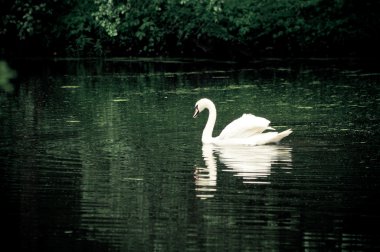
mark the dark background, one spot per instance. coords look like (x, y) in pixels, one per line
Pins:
(229, 29)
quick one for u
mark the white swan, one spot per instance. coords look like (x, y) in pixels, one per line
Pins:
(246, 130)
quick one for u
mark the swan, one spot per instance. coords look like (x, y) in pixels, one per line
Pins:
(246, 130)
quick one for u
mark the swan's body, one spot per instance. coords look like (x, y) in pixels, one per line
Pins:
(246, 130)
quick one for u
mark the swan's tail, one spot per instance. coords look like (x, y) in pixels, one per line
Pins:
(269, 137)
(281, 135)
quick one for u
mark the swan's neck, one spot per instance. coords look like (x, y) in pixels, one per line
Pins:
(207, 131)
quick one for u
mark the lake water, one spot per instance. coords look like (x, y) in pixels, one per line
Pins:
(104, 155)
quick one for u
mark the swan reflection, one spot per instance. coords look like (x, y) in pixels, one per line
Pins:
(205, 178)
(252, 163)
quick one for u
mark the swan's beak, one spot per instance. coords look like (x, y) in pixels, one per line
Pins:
(196, 112)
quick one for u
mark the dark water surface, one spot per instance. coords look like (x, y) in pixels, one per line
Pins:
(105, 156)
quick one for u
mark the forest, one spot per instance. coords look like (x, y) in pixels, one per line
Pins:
(228, 29)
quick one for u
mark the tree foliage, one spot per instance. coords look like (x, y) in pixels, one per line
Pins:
(187, 27)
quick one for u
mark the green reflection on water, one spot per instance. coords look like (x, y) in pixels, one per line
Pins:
(6, 74)
(113, 148)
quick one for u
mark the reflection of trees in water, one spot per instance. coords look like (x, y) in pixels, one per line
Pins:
(110, 161)
(6, 74)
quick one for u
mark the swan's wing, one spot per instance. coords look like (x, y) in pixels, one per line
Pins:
(245, 126)
(268, 137)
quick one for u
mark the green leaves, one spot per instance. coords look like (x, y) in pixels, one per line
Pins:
(159, 27)
(108, 15)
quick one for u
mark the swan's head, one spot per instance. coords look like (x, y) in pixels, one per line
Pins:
(201, 105)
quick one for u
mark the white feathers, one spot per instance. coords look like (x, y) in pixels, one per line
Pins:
(246, 130)
(244, 127)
